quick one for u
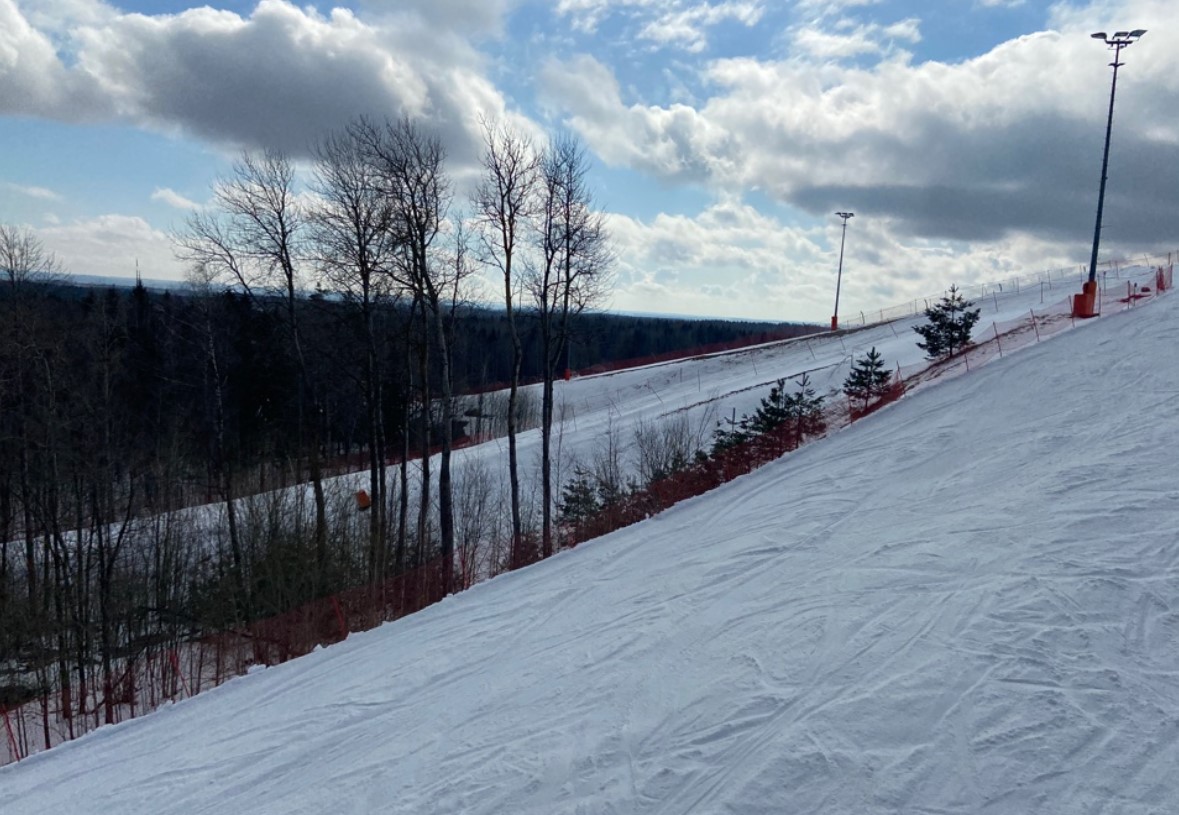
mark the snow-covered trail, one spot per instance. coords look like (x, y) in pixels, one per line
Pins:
(969, 603)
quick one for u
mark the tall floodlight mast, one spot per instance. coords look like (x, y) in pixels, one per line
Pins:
(1085, 305)
(839, 276)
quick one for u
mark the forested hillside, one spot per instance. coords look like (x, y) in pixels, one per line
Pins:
(118, 403)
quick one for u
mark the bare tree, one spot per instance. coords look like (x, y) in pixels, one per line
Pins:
(24, 258)
(571, 275)
(30, 352)
(412, 164)
(504, 202)
(355, 243)
(200, 279)
(253, 237)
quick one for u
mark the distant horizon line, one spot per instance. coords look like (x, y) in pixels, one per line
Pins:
(159, 284)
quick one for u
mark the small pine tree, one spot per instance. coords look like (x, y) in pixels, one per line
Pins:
(771, 413)
(725, 438)
(949, 326)
(868, 379)
(579, 498)
(800, 412)
(804, 410)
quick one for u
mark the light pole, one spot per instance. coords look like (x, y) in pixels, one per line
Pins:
(839, 277)
(1086, 304)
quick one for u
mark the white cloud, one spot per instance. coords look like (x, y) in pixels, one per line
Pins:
(687, 26)
(169, 196)
(682, 23)
(587, 15)
(668, 142)
(475, 17)
(908, 30)
(731, 260)
(279, 77)
(42, 193)
(111, 245)
(847, 39)
(33, 80)
(1006, 142)
(831, 7)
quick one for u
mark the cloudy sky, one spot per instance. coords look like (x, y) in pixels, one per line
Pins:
(966, 135)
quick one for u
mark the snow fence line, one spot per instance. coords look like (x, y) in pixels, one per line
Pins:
(167, 672)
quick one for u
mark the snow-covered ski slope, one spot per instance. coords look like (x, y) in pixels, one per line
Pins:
(968, 603)
(702, 391)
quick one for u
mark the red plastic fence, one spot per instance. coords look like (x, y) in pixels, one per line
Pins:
(184, 669)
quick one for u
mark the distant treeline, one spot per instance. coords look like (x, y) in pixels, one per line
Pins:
(161, 335)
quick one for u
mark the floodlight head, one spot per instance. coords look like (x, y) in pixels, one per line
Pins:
(846, 215)
(1136, 33)
(1121, 35)
(1100, 35)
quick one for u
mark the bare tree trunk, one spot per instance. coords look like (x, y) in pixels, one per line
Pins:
(572, 275)
(517, 554)
(504, 202)
(424, 429)
(445, 489)
(546, 468)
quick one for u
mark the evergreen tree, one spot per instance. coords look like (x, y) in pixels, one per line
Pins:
(949, 326)
(725, 438)
(579, 498)
(868, 379)
(801, 412)
(804, 410)
(771, 413)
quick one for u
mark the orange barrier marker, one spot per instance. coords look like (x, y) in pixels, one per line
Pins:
(1085, 303)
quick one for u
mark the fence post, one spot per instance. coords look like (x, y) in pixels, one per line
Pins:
(997, 342)
(1035, 327)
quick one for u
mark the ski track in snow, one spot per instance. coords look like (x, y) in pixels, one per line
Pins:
(967, 604)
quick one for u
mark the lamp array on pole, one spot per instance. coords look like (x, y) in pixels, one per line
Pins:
(839, 276)
(1085, 305)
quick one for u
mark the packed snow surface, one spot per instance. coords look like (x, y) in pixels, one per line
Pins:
(967, 603)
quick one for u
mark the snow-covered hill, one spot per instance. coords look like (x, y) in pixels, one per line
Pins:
(969, 603)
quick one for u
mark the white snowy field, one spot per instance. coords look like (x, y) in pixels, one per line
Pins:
(967, 603)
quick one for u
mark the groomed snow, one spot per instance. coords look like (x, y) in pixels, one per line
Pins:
(967, 603)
